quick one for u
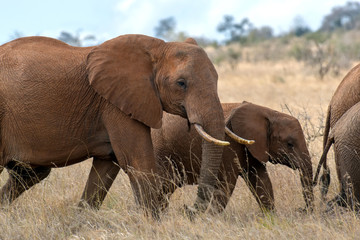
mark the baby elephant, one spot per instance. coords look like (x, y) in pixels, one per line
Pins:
(278, 139)
(345, 136)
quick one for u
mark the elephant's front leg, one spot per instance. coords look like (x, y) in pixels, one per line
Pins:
(145, 178)
(260, 185)
(147, 191)
(102, 174)
(132, 145)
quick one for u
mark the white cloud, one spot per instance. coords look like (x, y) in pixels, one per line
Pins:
(124, 5)
(134, 16)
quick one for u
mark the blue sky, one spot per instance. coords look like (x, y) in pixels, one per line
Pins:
(109, 18)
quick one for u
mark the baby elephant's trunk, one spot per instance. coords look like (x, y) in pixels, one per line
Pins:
(306, 178)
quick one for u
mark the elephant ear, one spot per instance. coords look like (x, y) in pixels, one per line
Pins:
(250, 122)
(191, 41)
(121, 70)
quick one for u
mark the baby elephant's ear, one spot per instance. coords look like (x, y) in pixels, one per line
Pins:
(121, 70)
(191, 41)
(248, 121)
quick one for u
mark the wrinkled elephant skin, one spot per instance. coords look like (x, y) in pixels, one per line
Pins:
(278, 139)
(61, 105)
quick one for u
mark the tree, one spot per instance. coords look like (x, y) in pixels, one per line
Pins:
(75, 39)
(235, 31)
(16, 35)
(299, 27)
(323, 53)
(166, 28)
(260, 34)
(342, 17)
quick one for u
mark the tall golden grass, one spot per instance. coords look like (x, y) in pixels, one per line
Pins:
(48, 210)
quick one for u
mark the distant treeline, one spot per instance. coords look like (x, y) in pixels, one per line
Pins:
(332, 47)
(341, 18)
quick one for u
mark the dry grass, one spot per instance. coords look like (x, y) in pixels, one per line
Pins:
(48, 211)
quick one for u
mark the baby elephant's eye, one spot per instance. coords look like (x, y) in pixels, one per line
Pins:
(290, 145)
(181, 83)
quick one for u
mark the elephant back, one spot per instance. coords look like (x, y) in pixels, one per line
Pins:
(346, 95)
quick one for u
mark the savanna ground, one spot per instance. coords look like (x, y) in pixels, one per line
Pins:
(48, 210)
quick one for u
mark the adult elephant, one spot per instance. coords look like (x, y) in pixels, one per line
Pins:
(61, 105)
(278, 139)
(346, 140)
(346, 95)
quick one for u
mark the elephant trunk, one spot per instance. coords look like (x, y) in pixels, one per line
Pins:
(212, 120)
(208, 174)
(306, 176)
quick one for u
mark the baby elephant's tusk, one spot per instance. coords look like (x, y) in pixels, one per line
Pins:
(237, 138)
(209, 138)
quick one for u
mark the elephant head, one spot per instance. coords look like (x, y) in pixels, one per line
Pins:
(278, 138)
(143, 76)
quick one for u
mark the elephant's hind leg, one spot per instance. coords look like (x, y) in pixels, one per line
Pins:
(224, 188)
(345, 198)
(102, 175)
(21, 178)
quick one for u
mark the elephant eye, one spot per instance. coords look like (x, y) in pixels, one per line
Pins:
(290, 145)
(181, 83)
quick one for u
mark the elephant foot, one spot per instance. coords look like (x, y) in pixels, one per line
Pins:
(154, 214)
(190, 212)
(302, 210)
(305, 210)
(338, 200)
(85, 205)
(330, 206)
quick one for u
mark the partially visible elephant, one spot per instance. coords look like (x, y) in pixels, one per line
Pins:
(346, 95)
(346, 139)
(60, 105)
(278, 139)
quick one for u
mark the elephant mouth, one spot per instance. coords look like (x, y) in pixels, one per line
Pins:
(208, 137)
(183, 112)
(274, 160)
(285, 160)
(200, 129)
(290, 165)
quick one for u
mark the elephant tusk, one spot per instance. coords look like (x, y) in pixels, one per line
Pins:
(237, 138)
(209, 138)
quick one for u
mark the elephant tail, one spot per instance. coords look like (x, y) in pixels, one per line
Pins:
(325, 178)
(327, 127)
